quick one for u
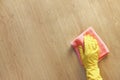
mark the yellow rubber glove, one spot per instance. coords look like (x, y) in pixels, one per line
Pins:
(89, 58)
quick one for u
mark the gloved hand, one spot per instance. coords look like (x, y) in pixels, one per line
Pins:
(89, 58)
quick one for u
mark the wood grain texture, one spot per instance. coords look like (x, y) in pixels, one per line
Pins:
(35, 38)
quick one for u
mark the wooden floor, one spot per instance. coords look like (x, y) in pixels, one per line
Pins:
(35, 38)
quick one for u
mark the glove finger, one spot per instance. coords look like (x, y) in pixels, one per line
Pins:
(81, 52)
(87, 42)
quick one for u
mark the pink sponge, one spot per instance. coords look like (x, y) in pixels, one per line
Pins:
(79, 41)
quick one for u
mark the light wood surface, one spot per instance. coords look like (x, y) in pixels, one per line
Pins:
(35, 38)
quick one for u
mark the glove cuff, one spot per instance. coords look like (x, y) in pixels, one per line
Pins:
(93, 73)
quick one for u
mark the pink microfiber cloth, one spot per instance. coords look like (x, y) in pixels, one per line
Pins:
(79, 41)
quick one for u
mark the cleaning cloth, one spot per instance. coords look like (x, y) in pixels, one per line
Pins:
(78, 41)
